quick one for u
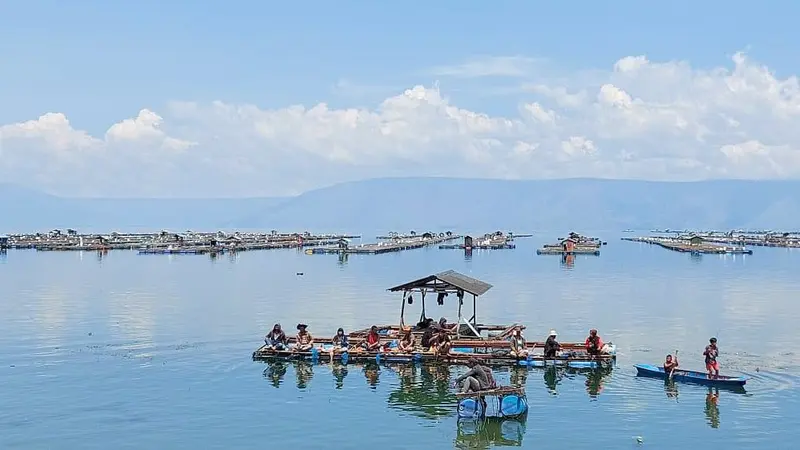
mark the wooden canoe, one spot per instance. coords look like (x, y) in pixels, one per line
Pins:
(690, 376)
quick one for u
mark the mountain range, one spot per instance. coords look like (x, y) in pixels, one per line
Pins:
(402, 204)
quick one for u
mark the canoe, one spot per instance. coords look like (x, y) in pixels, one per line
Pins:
(689, 376)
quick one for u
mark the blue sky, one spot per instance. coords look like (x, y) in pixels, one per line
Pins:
(75, 56)
(99, 63)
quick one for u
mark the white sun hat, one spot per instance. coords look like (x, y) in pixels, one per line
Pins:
(553, 333)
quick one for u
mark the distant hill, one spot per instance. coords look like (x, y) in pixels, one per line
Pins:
(25, 210)
(559, 205)
(403, 204)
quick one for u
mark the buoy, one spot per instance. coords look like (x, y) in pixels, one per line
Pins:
(639, 439)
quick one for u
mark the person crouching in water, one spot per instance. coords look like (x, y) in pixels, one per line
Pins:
(276, 339)
(304, 339)
(477, 378)
(340, 343)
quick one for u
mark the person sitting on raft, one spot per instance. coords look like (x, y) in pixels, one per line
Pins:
(406, 344)
(670, 364)
(276, 339)
(340, 343)
(711, 352)
(304, 339)
(440, 342)
(373, 341)
(594, 344)
(518, 344)
(477, 378)
(447, 326)
(551, 345)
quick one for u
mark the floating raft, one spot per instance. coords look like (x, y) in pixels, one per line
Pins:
(690, 376)
(383, 247)
(511, 403)
(456, 356)
(691, 245)
(576, 251)
(478, 247)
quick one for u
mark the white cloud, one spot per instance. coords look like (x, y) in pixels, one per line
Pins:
(639, 119)
(489, 66)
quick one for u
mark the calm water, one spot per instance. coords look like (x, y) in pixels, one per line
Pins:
(153, 351)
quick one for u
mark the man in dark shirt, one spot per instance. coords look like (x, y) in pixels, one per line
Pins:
(551, 345)
(476, 379)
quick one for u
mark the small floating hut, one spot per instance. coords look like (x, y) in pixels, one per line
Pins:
(574, 244)
(490, 241)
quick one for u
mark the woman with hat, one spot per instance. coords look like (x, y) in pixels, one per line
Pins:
(551, 345)
(304, 339)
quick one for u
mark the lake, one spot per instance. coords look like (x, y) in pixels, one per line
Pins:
(132, 351)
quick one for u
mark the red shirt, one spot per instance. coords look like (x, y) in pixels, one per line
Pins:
(597, 340)
(373, 339)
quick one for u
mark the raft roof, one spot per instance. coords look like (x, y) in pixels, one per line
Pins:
(448, 281)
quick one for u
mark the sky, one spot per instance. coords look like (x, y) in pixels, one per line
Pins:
(234, 99)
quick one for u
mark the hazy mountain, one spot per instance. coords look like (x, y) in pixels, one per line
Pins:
(403, 204)
(25, 210)
(559, 205)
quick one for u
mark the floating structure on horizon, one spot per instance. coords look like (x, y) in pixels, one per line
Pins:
(692, 243)
(573, 244)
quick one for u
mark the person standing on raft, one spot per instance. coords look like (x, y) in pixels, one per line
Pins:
(711, 352)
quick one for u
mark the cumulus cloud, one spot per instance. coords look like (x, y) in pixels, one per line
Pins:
(638, 119)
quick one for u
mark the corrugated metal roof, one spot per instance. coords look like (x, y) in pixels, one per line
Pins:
(448, 280)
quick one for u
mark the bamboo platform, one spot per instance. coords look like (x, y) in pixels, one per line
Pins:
(454, 357)
(497, 392)
(684, 245)
(575, 251)
(478, 247)
(383, 247)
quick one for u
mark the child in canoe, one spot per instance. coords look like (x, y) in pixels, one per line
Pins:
(711, 352)
(670, 364)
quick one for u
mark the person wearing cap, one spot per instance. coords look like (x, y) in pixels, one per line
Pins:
(551, 345)
(276, 338)
(304, 339)
(594, 344)
(711, 352)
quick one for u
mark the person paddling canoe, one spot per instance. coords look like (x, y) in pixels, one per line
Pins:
(711, 352)
(670, 364)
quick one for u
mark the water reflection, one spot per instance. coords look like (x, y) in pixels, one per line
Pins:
(712, 407)
(468, 255)
(424, 390)
(342, 259)
(339, 372)
(303, 372)
(275, 372)
(594, 382)
(671, 389)
(488, 433)
(372, 372)
(568, 261)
